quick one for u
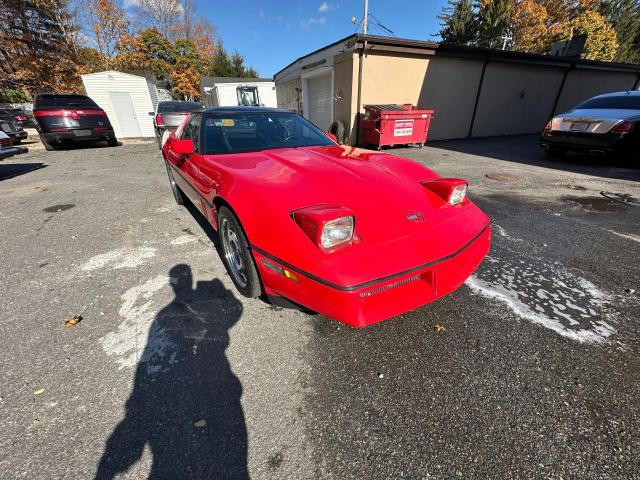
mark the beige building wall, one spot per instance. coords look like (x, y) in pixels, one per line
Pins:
(345, 92)
(516, 99)
(584, 84)
(289, 94)
(449, 89)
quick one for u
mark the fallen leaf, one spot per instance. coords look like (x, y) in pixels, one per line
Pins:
(72, 322)
(200, 423)
(438, 328)
(40, 391)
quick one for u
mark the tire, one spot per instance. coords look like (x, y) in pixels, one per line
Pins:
(554, 152)
(112, 142)
(236, 256)
(337, 128)
(47, 146)
(175, 189)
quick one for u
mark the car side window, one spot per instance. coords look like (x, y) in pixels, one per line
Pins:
(192, 131)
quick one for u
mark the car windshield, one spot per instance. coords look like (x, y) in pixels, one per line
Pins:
(631, 102)
(64, 101)
(235, 132)
(178, 107)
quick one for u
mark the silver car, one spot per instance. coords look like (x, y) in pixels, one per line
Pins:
(606, 124)
(169, 115)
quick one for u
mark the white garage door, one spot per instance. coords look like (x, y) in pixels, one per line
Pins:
(320, 98)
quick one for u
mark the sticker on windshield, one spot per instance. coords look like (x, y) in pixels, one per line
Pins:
(228, 122)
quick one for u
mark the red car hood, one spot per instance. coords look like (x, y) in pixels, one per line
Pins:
(382, 190)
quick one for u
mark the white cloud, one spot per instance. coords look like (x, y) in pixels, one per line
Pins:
(262, 15)
(304, 24)
(324, 7)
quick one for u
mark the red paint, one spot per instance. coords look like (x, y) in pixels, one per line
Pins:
(401, 225)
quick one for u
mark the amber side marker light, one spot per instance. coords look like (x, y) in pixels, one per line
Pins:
(279, 270)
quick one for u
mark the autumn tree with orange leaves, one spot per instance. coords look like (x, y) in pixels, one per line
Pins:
(109, 26)
(534, 25)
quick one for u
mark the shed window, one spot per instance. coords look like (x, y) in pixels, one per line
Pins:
(248, 96)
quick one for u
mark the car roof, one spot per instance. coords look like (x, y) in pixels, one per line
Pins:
(628, 93)
(247, 109)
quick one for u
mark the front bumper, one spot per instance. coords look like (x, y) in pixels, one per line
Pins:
(373, 302)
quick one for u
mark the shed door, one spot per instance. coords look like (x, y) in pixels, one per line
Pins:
(319, 101)
(125, 113)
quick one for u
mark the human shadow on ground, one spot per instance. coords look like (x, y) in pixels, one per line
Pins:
(185, 404)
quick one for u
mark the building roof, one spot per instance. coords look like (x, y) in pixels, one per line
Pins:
(246, 109)
(210, 81)
(402, 45)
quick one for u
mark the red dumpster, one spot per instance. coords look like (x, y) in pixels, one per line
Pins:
(394, 125)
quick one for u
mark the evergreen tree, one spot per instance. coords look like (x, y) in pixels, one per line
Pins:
(494, 22)
(221, 63)
(237, 65)
(624, 16)
(458, 23)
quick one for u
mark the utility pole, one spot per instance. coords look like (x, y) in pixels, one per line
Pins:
(366, 16)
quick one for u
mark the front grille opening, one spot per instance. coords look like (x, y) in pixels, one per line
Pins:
(389, 286)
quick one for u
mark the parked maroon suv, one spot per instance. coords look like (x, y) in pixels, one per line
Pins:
(65, 118)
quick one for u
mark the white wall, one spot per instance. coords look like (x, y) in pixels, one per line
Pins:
(98, 85)
(227, 95)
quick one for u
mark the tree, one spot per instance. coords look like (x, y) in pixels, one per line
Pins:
(602, 43)
(237, 65)
(109, 25)
(221, 63)
(458, 23)
(149, 51)
(163, 15)
(624, 16)
(494, 22)
(37, 48)
(186, 83)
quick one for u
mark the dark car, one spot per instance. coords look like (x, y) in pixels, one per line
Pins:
(7, 149)
(18, 116)
(607, 124)
(169, 115)
(64, 118)
(13, 130)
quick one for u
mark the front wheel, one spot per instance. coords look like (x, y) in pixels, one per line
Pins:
(236, 256)
(177, 193)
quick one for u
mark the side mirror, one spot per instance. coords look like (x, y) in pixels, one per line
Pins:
(332, 137)
(182, 147)
(151, 114)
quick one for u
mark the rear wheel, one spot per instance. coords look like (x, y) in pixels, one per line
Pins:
(554, 152)
(236, 255)
(112, 142)
(47, 146)
(177, 193)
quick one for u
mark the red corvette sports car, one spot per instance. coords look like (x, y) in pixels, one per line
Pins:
(357, 235)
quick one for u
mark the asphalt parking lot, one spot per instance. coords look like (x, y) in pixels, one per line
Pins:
(172, 374)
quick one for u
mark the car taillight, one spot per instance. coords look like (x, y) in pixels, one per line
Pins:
(547, 127)
(159, 120)
(5, 142)
(21, 118)
(327, 226)
(75, 114)
(451, 190)
(623, 127)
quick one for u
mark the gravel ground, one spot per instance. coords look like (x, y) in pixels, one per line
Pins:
(172, 374)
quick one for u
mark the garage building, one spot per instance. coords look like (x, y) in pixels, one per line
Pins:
(126, 98)
(475, 92)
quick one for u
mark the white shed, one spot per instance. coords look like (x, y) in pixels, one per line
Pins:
(238, 91)
(126, 98)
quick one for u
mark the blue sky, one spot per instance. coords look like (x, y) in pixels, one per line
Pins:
(271, 34)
